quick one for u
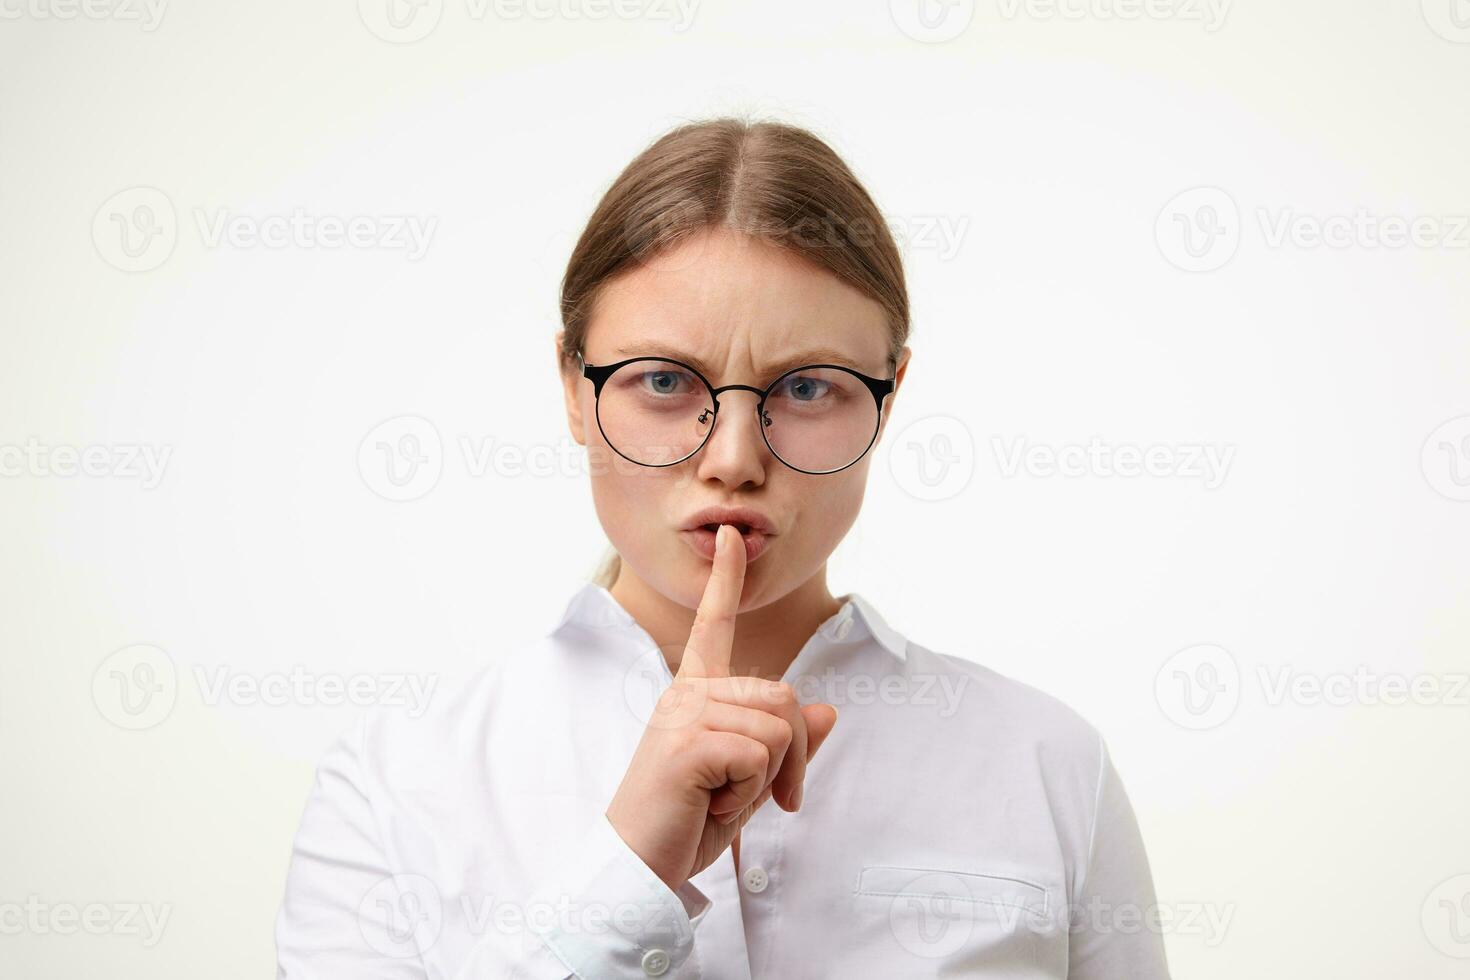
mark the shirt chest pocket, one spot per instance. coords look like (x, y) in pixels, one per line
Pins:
(993, 921)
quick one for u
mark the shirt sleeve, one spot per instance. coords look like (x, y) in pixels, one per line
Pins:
(348, 913)
(1115, 928)
(344, 912)
(610, 916)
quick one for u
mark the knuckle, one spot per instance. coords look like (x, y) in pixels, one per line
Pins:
(680, 696)
(718, 617)
(780, 693)
(778, 739)
(670, 699)
(709, 747)
(741, 685)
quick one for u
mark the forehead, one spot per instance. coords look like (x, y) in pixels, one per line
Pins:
(729, 301)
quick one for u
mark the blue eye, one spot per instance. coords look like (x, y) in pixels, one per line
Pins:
(805, 389)
(662, 382)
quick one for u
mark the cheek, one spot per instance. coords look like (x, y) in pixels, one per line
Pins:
(632, 503)
(623, 501)
(831, 507)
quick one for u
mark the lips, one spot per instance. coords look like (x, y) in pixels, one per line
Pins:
(755, 530)
(745, 519)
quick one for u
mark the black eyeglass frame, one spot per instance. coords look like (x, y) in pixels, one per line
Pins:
(599, 373)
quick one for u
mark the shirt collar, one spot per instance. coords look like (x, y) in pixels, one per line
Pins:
(592, 605)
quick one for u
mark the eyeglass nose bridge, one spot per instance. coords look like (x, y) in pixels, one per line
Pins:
(760, 404)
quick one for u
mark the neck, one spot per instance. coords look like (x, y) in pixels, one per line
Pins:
(766, 639)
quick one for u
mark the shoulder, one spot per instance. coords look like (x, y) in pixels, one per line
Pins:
(462, 715)
(1010, 716)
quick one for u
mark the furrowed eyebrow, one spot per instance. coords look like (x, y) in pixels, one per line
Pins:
(655, 349)
(816, 355)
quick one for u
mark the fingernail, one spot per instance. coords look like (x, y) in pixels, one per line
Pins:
(800, 792)
(719, 539)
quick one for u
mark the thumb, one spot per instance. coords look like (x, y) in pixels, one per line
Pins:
(820, 719)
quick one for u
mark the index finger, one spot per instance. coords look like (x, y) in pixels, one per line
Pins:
(707, 653)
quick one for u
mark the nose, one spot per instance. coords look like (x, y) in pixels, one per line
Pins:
(735, 453)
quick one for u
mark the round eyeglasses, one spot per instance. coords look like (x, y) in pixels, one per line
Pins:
(819, 418)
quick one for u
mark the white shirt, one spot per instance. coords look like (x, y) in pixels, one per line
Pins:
(954, 823)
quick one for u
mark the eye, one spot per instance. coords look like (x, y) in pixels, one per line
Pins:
(664, 382)
(804, 388)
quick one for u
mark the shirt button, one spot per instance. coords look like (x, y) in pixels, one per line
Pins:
(844, 628)
(655, 962)
(756, 879)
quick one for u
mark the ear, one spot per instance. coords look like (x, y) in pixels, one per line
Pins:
(571, 382)
(898, 375)
(903, 365)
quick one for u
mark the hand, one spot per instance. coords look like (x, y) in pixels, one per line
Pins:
(717, 746)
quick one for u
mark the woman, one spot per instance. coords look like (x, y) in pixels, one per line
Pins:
(662, 786)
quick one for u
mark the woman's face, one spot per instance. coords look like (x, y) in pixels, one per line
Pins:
(741, 309)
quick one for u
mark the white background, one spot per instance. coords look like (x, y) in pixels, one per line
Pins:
(1033, 158)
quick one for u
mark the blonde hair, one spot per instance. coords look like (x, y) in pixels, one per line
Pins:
(776, 182)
